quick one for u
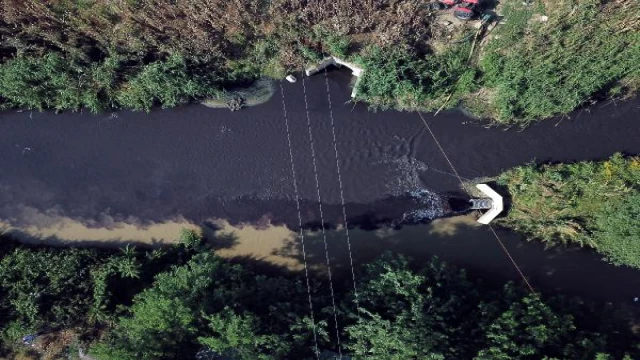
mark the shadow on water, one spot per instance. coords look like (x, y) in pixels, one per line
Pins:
(458, 240)
(193, 163)
(199, 163)
(464, 243)
(52, 240)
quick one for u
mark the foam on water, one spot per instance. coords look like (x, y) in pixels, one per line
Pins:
(405, 174)
(429, 207)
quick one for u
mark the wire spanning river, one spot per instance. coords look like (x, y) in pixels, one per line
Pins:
(196, 163)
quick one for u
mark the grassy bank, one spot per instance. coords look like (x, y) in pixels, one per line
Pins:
(593, 204)
(103, 55)
(536, 67)
(178, 301)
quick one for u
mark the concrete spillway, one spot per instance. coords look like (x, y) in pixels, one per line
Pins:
(332, 60)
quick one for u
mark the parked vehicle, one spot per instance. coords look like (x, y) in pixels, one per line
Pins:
(467, 9)
(443, 4)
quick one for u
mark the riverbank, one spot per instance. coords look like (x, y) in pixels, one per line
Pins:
(591, 204)
(238, 97)
(460, 241)
(529, 63)
(136, 303)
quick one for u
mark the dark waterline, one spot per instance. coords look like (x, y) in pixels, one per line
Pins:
(199, 163)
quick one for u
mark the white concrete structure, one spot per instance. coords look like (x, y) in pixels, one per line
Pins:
(496, 206)
(291, 78)
(332, 60)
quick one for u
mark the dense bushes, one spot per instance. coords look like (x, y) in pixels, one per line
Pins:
(595, 204)
(169, 83)
(396, 78)
(52, 82)
(48, 82)
(538, 69)
(45, 288)
(177, 302)
(101, 55)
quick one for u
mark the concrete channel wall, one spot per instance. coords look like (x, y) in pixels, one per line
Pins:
(332, 60)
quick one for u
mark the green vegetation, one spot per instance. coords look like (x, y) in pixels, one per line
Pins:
(594, 204)
(538, 69)
(176, 302)
(170, 83)
(51, 82)
(101, 55)
(398, 79)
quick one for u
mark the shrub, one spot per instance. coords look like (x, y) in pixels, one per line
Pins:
(167, 83)
(41, 82)
(397, 78)
(595, 204)
(540, 69)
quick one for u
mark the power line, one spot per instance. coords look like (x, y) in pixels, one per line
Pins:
(445, 154)
(304, 253)
(512, 260)
(344, 211)
(504, 248)
(324, 235)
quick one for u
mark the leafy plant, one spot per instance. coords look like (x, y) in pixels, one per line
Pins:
(593, 204)
(540, 69)
(167, 83)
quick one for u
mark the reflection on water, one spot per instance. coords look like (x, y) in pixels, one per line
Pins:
(55, 230)
(458, 240)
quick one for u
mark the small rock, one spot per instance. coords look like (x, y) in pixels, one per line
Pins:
(291, 78)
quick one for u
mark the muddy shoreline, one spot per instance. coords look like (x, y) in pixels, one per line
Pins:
(458, 240)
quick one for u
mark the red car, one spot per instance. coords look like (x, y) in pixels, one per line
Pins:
(443, 4)
(449, 3)
(467, 9)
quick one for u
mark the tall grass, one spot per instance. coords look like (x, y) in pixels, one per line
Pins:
(528, 69)
(593, 204)
(397, 78)
(543, 68)
(53, 82)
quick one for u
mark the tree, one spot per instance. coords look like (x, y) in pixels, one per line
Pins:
(238, 337)
(46, 287)
(526, 329)
(165, 318)
(376, 338)
(435, 305)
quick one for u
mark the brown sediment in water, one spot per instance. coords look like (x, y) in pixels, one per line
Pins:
(457, 240)
(65, 231)
(279, 245)
(262, 244)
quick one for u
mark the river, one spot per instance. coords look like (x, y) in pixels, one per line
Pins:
(193, 164)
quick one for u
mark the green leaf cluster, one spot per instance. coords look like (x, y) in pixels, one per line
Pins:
(398, 78)
(189, 301)
(540, 69)
(595, 204)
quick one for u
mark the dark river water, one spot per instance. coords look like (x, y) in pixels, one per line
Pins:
(198, 163)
